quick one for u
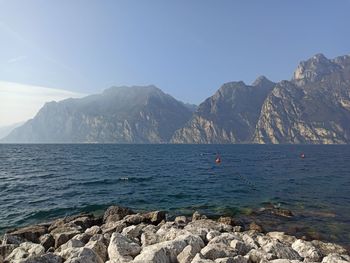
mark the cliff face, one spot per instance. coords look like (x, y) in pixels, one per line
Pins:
(314, 107)
(229, 116)
(118, 115)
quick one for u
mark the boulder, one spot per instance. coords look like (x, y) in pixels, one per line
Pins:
(226, 220)
(149, 237)
(199, 258)
(336, 258)
(116, 213)
(181, 220)
(30, 233)
(122, 247)
(307, 250)
(212, 234)
(259, 255)
(24, 251)
(112, 226)
(249, 241)
(47, 241)
(202, 227)
(239, 246)
(197, 216)
(154, 217)
(133, 232)
(282, 237)
(218, 250)
(45, 258)
(188, 253)
(6, 250)
(12, 239)
(134, 219)
(280, 250)
(99, 247)
(93, 230)
(83, 255)
(328, 248)
(225, 238)
(83, 237)
(64, 233)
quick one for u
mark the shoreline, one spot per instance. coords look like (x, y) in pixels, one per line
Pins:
(121, 235)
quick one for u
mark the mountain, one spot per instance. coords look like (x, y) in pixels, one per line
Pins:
(6, 130)
(118, 115)
(229, 116)
(314, 107)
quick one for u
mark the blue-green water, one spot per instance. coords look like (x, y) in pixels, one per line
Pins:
(40, 182)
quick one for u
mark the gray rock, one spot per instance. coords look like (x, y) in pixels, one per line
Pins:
(46, 258)
(30, 233)
(259, 255)
(64, 233)
(83, 255)
(6, 250)
(188, 253)
(112, 226)
(281, 251)
(282, 237)
(24, 251)
(99, 247)
(12, 239)
(224, 238)
(133, 232)
(328, 248)
(93, 230)
(336, 258)
(154, 217)
(116, 213)
(199, 258)
(307, 250)
(212, 234)
(239, 246)
(122, 247)
(47, 241)
(197, 216)
(218, 250)
(134, 219)
(83, 237)
(236, 259)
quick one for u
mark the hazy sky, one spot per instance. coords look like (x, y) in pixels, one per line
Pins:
(188, 48)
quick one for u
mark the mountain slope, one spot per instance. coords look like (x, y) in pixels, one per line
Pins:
(118, 115)
(229, 116)
(314, 107)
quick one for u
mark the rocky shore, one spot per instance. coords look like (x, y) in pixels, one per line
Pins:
(121, 235)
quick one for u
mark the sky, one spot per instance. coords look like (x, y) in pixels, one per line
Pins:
(187, 48)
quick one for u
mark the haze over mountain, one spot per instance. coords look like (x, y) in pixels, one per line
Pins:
(313, 107)
(118, 115)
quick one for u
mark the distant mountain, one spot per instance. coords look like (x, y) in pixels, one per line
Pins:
(118, 115)
(229, 116)
(314, 107)
(6, 130)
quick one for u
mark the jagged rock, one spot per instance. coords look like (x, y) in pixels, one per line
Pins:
(47, 241)
(154, 217)
(6, 250)
(249, 241)
(99, 247)
(188, 253)
(46, 258)
(83, 237)
(133, 232)
(134, 219)
(11, 239)
(218, 250)
(224, 238)
(112, 226)
(67, 249)
(239, 246)
(280, 251)
(149, 237)
(25, 250)
(201, 259)
(181, 220)
(202, 227)
(93, 230)
(226, 220)
(259, 255)
(64, 233)
(168, 250)
(328, 248)
(336, 258)
(307, 250)
(197, 216)
(83, 255)
(116, 213)
(282, 237)
(30, 233)
(122, 247)
(212, 234)
(236, 259)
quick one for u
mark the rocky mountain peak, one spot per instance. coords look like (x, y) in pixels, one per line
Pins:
(314, 69)
(262, 81)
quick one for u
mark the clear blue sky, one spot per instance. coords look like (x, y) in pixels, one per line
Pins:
(188, 48)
